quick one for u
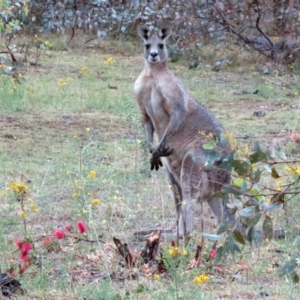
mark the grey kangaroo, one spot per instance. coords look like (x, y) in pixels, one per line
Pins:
(177, 119)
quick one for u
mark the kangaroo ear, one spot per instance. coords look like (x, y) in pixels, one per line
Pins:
(143, 32)
(165, 32)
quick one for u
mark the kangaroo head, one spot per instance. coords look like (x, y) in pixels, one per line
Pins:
(155, 47)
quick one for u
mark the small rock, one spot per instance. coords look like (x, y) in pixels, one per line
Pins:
(264, 70)
(259, 113)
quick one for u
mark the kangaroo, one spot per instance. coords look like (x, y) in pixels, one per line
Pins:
(176, 118)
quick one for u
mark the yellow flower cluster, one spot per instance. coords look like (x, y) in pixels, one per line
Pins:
(156, 276)
(200, 279)
(22, 213)
(92, 174)
(174, 251)
(3, 66)
(109, 61)
(34, 207)
(294, 170)
(95, 202)
(19, 187)
(84, 70)
(64, 82)
(231, 139)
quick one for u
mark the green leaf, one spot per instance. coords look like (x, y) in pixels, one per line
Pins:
(256, 175)
(208, 146)
(247, 212)
(250, 234)
(228, 190)
(257, 156)
(244, 186)
(212, 157)
(227, 161)
(238, 182)
(267, 228)
(212, 237)
(251, 222)
(256, 192)
(220, 254)
(233, 247)
(267, 168)
(289, 268)
(223, 140)
(223, 227)
(241, 167)
(140, 289)
(295, 277)
(238, 203)
(281, 154)
(237, 235)
(274, 173)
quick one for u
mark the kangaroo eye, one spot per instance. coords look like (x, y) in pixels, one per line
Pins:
(161, 46)
(147, 46)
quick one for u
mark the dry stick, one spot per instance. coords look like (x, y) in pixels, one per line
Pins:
(259, 29)
(9, 51)
(24, 219)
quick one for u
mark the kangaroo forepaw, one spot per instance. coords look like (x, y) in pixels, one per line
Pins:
(155, 163)
(159, 152)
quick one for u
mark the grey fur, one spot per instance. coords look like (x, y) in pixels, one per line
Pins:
(176, 118)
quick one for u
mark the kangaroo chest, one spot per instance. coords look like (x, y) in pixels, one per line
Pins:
(150, 98)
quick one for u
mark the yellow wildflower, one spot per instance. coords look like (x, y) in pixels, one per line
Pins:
(174, 251)
(84, 70)
(232, 140)
(95, 202)
(19, 187)
(185, 252)
(200, 279)
(22, 213)
(156, 276)
(294, 170)
(35, 208)
(75, 195)
(62, 83)
(92, 174)
(4, 193)
(109, 61)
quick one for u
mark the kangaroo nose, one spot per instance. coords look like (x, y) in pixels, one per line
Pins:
(153, 54)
